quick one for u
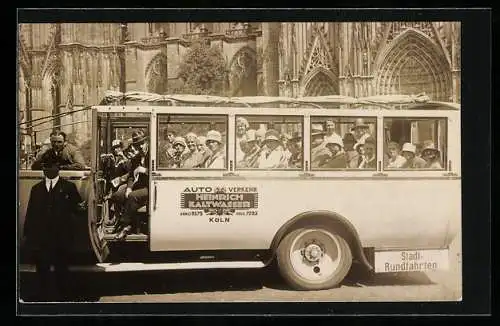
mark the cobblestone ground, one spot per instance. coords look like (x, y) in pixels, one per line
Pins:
(265, 285)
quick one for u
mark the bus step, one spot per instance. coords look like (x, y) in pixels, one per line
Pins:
(141, 237)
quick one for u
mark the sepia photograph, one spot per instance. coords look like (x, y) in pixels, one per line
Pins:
(239, 161)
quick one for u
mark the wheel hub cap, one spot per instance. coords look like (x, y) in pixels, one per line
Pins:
(313, 252)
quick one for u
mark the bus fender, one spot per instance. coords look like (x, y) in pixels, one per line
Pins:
(327, 218)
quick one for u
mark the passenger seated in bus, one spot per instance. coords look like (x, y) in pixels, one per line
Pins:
(204, 151)
(241, 128)
(273, 154)
(394, 160)
(192, 157)
(431, 155)
(250, 149)
(295, 148)
(136, 191)
(120, 171)
(369, 158)
(285, 138)
(318, 151)
(361, 131)
(336, 159)
(214, 143)
(67, 156)
(330, 129)
(351, 155)
(260, 134)
(179, 151)
(412, 161)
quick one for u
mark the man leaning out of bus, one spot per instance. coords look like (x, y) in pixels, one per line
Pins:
(214, 143)
(337, 159)
(67, 156)
(273, 156)
(431, 155)
(412, 161)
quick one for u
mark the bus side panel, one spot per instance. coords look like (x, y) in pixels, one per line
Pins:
(387, 214)
(77, 224)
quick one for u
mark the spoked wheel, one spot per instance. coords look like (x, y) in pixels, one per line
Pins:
(314, 258)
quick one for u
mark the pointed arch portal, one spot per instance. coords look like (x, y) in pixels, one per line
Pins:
(243, 72)
(412, 64)
(156, 74)
(320, 82)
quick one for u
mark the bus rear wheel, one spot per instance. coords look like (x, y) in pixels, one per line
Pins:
(314, 258)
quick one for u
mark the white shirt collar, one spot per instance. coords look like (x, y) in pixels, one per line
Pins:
(54, 182)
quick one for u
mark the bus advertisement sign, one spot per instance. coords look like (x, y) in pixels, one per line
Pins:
(219, 200)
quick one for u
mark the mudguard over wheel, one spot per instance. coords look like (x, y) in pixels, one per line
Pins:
(314, 258)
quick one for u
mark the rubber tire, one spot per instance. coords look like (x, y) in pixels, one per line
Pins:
(298, 283)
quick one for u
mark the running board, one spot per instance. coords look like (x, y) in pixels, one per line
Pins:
(130, 267)
(130, 237)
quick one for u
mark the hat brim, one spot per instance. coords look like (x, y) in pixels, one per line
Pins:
(430, 149)
(139, 140)
(271, 139)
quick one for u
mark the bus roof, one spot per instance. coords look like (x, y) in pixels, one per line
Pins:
(420, 101)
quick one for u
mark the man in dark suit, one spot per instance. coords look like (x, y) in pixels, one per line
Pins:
(52, 201)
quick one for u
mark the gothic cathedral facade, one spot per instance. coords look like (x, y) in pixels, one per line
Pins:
(70, 65)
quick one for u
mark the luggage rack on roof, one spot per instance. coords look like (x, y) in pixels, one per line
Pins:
(379, 101)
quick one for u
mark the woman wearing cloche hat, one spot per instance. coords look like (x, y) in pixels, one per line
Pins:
(214, 143)
(412, 161)
(431, 155)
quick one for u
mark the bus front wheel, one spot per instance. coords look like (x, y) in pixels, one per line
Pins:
(314, 258)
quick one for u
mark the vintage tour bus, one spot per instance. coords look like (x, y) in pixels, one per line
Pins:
(315, 184)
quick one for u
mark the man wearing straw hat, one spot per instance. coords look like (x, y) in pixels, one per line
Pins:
(361, 131)
(250, 149)
(273, 156)
(431, 155)
(412, 161)
(318, 152)
(63, 153)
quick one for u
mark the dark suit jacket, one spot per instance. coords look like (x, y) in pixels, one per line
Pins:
(48, 228)
(143, 179)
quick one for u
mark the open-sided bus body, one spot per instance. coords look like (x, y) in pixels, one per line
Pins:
(316, 221)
